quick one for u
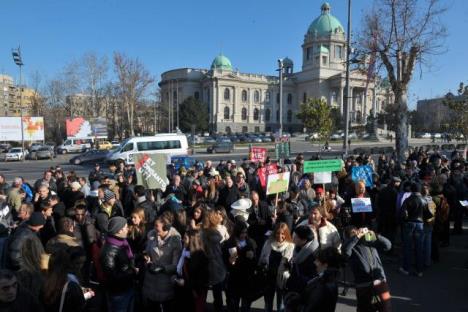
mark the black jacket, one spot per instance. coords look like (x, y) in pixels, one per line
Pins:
(118, 268)
(364, 259)
(321, 293)
(256, 229)
(227, 196)
(15, 242)
(414, 208)
(302, 268)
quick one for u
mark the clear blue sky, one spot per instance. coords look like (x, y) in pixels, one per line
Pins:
(189, 33)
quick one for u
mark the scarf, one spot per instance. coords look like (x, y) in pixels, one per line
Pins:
(120, 242)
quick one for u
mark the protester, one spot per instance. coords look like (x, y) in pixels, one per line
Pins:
(14, 297)
(33, 265)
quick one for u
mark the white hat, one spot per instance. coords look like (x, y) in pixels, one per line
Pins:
(213, 172)
(242, 204)
(75, 186)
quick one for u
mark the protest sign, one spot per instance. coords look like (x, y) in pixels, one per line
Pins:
(258, 154)
(278, 183)
(362, 173)
(265, 171)
(361, 204)
(183, 161)
(151, 170)
(327, 165)
(322, 177)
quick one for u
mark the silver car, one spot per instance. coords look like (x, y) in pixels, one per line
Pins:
(43, 153)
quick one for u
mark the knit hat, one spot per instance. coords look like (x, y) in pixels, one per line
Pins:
(36, 219)
(95, 185)
(115, 225)
(108, 195)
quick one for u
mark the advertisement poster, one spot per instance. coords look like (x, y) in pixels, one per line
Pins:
(151, 170)
(10, 128)
(278, 183)
(81, 128)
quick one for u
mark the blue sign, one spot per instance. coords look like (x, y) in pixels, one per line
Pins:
(362, 173)
(184, 161)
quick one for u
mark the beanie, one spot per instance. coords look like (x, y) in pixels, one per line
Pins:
(115, 225)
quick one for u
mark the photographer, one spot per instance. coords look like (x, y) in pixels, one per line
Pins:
(360, 248)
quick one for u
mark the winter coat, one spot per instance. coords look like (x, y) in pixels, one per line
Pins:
(15, 242)
(118, 268)
(159, 286)
(61, 241)
(196, 271)
(24, 302)
(321, 293)
(227, 196)
(240, 274)
(14, 199)
(364, 259)
(212, 240)
(74, 299)
(102, 218)
(302, 267)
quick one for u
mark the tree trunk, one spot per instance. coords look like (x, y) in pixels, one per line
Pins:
(401, 133)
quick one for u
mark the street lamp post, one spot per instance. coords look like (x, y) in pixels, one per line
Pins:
(16, 53)
(280, 69)
(346, 108)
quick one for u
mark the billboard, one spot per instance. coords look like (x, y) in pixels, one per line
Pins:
(81, 128)
(10, 128)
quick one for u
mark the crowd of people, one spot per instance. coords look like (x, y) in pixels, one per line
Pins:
(105, 243)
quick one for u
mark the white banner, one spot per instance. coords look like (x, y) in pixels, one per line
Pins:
(322, 177)
(361, 204)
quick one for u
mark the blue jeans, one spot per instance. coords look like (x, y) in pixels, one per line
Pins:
(122, 302)
(427, 244)
(413, 240)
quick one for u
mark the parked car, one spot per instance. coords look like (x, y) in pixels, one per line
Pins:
(209, 140)
(89, 156)
(104, 145)
(44, 152)
(220, 147)
(5, 147)
(265, 139)
(115, 143)
(15, 153)
(35, 147)
(312, 136)
(336, 136)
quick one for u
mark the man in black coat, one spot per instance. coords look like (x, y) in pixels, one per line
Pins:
(117, 262)
(386, 209)
(13, 297)
(228, 194)
(259, 220)
(25, 230)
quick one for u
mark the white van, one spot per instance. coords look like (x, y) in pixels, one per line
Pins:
(171, 144)
(75, 146)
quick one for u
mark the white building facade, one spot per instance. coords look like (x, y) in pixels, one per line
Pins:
(243, 102)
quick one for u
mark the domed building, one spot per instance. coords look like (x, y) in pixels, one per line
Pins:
(245, 102)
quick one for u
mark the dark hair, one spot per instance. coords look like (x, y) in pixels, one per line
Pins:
(54, 197)
(6, 274)
(304, 232)
(59, 267)
(239, 227)
(415, 187)
(65, 224)
(330, 256)
(140, 190)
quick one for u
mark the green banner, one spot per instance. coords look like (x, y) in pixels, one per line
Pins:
(327, 165)
(151, 170)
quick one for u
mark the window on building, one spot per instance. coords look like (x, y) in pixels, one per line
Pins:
(338, 52)
(244, 113)
(333, 98)
(208, 96)
(256, 114)
(277, 98)
(289, 99)
(324, 60)
(226, 113)
(267, 114)
(308, 53)
(304, 97)
(174, 97)
(256, 96)
(227, 94)
(228, 130)
(267, 97)
(277, 115)
(245, 129)
(196, 95)
(257, 130)
(289, 117)
(244, 96)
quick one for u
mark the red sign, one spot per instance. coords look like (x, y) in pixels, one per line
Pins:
(258, 154)
(264, 172)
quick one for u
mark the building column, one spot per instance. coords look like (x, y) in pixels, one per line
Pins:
(341, 95)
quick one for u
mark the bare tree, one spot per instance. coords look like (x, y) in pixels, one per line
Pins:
(37, 99)
(403, 33)
(133, 82)
(94, 73)
(55, 110)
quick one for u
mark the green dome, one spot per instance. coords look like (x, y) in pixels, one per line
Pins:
(325, 23)
(221, 62)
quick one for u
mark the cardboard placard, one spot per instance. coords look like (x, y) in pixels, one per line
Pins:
(361, 204)
(278, 183)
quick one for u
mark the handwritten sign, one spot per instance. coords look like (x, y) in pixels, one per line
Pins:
(278, 183)
(258, 154)
(264, 172)
(322, 177)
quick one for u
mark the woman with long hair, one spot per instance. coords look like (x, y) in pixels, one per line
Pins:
(192, 269)
(137, 230)
(279, 246)
(212, 239)
(33, 264)
(197, 217)
(62, 290)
